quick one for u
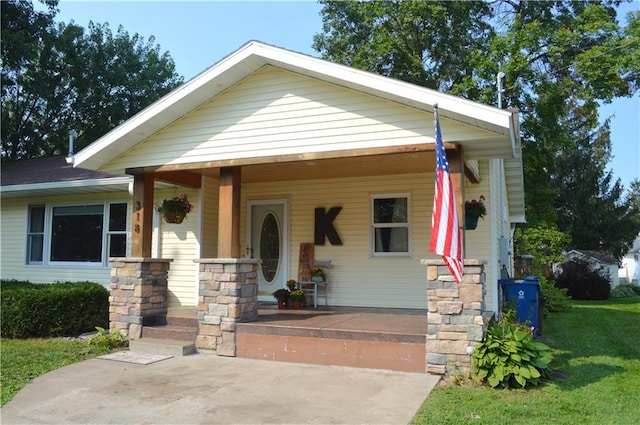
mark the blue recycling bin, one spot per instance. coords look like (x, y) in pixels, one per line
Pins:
(525, 293)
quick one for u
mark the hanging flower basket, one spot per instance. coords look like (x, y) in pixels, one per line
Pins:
(473, 210)
(175, 209)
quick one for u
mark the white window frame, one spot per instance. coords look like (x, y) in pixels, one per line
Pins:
(47, 238)
(373, 226)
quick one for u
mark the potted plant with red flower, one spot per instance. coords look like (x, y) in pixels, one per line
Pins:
(473, 210)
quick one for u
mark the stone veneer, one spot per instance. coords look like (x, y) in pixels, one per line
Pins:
(138, 293)
(228, 295)
(455, 316)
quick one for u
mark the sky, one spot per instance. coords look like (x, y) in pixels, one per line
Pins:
(198, 34)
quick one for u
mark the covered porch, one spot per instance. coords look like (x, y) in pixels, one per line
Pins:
(230, 321)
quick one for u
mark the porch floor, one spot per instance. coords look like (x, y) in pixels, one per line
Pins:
(379, 338)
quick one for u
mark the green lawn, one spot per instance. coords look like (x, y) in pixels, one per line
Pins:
(25, 359)
(597, 350)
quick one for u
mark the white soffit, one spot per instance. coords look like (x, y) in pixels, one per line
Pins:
(253, 56)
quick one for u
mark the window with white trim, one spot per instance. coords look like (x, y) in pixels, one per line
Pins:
(86, 234)
(390, 236)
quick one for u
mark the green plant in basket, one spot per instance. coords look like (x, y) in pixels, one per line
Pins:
(475, 208)
(177, 204)
(509, 356)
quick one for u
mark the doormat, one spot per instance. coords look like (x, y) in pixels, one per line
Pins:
(135, 357)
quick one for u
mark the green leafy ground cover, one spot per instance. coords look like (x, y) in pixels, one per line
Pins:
(596, 347)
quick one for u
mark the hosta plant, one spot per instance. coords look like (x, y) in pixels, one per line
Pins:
(509, 357)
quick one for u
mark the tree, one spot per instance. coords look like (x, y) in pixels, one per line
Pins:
(58, 78)
(560, 59)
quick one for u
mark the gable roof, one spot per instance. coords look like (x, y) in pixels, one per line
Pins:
(598, 256)
(501, 125)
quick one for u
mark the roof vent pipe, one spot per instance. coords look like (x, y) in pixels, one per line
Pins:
(499, 81)
(70, 156)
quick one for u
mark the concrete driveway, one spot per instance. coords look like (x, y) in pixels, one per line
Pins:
(207, 389)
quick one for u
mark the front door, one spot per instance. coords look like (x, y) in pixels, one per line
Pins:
(269, 241)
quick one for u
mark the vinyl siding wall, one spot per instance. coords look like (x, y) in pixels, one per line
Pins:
(14, 224)
(182, 243)
(276, 112)
(357, 279)
(481, 242)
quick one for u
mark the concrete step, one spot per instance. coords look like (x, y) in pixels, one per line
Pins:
(190, 322)
(169, 347)
(181, 333)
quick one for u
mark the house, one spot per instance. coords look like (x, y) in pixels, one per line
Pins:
(53, 221)
(629, 271)
(605, 264)
(278, 150)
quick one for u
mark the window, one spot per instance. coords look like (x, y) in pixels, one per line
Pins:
(35, 234)
(76, 233)
(390, 225)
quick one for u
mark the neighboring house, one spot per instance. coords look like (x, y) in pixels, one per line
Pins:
(606, 264)
(268, 141)
(629, 271)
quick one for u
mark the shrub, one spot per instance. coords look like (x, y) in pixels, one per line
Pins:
(107, 341)
(582, 282)
(509, 357)
(57, 309)
(555, 299)
(625, 290)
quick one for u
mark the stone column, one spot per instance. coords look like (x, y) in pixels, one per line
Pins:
(138, 293)
(455, 317)
(228, 295)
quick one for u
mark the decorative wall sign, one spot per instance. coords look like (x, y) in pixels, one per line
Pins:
(305, 262)
(324, 226)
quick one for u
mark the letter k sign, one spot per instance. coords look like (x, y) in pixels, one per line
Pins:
(324, 226)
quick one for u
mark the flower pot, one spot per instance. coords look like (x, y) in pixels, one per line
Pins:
(174, 217)
(470, 222)
(297, 305)
(317, 278)
(282, 305)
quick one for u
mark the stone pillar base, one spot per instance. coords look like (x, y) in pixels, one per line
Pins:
(228, 294)
(138, 293)
(455, 322)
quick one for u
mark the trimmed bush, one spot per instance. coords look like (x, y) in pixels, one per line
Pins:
(58, 309)
(582, 282)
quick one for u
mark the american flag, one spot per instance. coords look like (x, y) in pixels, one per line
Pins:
(446, 238)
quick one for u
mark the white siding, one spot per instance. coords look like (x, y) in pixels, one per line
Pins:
(481, 243)
(357, 279)
(181, 243)
(13, 222)
(277, 112)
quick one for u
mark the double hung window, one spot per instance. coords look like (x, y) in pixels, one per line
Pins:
(390, 225)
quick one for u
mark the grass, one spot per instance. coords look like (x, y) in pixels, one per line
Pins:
(596, 348)
(23, 360)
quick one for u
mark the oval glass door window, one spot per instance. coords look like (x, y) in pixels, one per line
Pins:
(270, 247)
